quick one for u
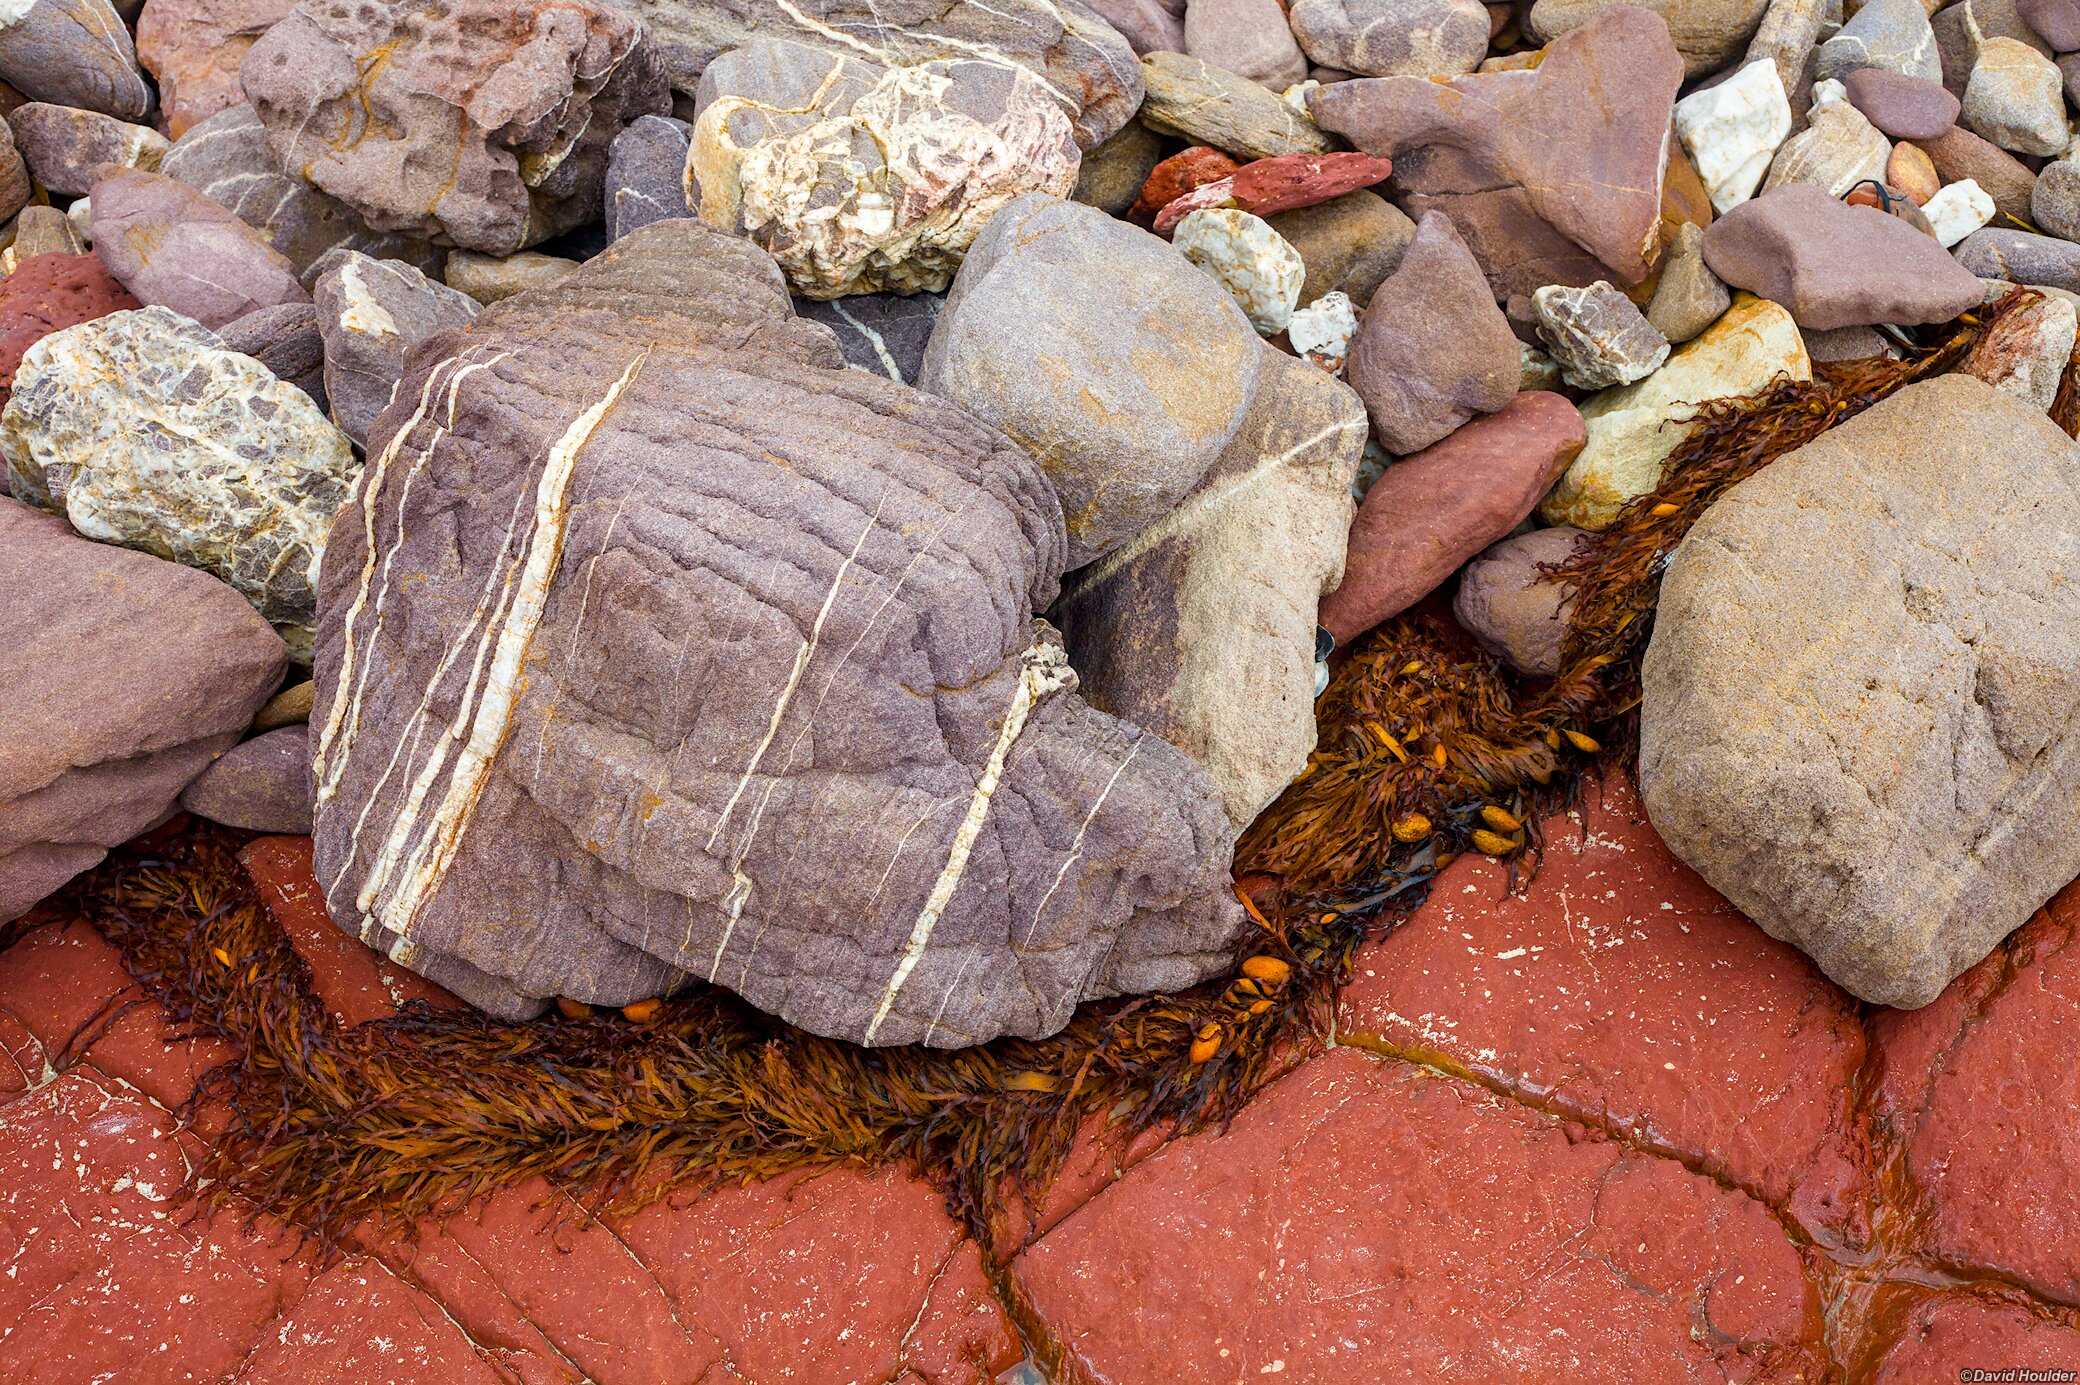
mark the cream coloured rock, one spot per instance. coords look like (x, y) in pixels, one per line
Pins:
(1633, 429)
(143, 430)
(861, 179)
(2016, 99)
(1248, 259)
(1732, 131)
(1838, 149)
(1957, 210)
(1322, 330)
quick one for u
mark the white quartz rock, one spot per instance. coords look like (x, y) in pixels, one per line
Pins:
(1250, 260)
(1957, 210)
(1733, 129)
(1322, 330)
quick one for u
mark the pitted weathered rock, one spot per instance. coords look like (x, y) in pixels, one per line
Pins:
(750, 686)
(193, 49)
(371, 312)
(478, 123)
(225, 158)
(1203, 628)
(144, 430)
(1081, 61)
(860, 178)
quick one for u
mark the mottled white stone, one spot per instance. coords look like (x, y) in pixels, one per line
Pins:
(1597, 335)
(1957, 210)
(1732, 131)
(1249, 259)
(1296, 95)
(883, 190)
(1322, 330)
(145, 431)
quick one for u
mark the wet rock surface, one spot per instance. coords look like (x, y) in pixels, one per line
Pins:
(926, 522)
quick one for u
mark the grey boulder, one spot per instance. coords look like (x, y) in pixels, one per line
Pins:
(370, 313)
(1513, 607)
(1858, 712)
(886, 333)
(646, 174)
(121, 677)
(741, 643)
(2023, 257)
(74, 53)
(285, 339)
(1120, 367)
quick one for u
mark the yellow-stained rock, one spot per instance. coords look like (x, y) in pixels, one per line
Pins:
(1633, 429)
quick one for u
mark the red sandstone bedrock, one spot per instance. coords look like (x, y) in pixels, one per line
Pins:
(1609, 1131)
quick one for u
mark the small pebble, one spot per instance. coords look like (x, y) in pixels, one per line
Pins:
(1322, 330)
(1957, 210)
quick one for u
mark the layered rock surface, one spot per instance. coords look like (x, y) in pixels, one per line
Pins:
(852, 782)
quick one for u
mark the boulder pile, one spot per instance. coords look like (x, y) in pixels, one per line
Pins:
(854, 505)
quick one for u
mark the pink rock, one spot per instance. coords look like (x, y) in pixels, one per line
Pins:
(172, 246)
(1432, 511)
(193, 48)
(1201, 198)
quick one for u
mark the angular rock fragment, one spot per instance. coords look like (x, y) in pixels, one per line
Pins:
(46, 293)
(172, 246)
(260, 785)
(65, 147)
(1429, 513)
(1205, 105)
(1432, 349)
(121, 677)
(2025, 352)
(1103, 352)
(286, 340)
(884, 333)
(1913, 173)
(1633, 429)
(1958, 154)
(73, 53)
(1732, 131)
(1082, 62)
(478, 123)
(1880, 778)
(225, 158)
(1891, 34)
(1247, 258)
(1562, 161)
(193, 49)
(144, 431)
(40, 230)
(1513, 607)
(1957, 210)
(1202, 629)
(646, 174)
(1837, 150)
(1597, 336)
(2016, 99)
(1786, 38)
(1322, 331)
(761, 698)
(1834, 265)
(1393, 38)
(861, 178)
(370, 313)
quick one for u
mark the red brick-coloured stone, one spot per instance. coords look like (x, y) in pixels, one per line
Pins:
(1434, 509)
(356, 982)
(1363, 1220)
(67, 986)
(1622, 989)
(1202, 198)
(1287, 181)
(837, 1276)
(1980, 1086)
(1945, 1336)
(438, 1267)
(358, 1324)
(45, 293)
(1178, 175)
